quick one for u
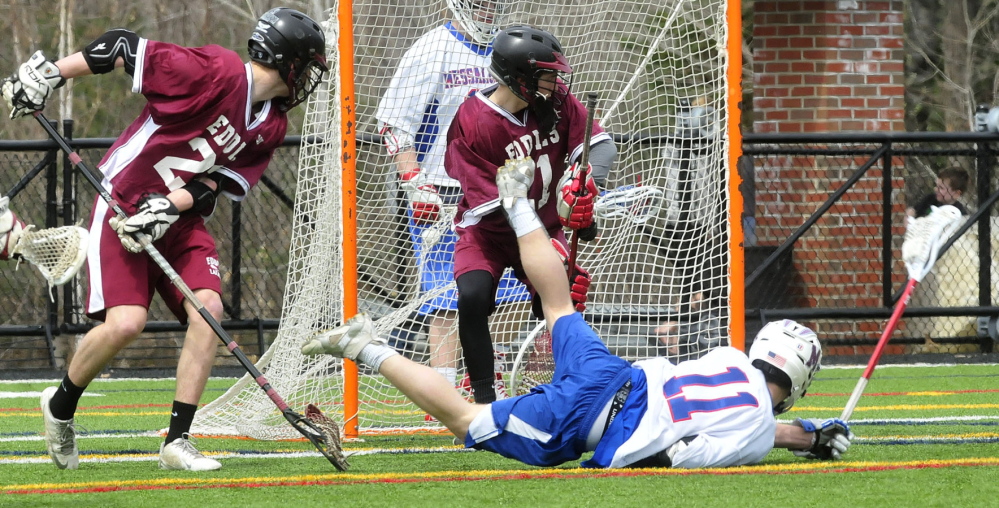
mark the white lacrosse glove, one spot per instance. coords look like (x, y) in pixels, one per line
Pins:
(27, 89)
(514, 180)
(10, 230)
(156, 214)
(424, 201)
(832, 438)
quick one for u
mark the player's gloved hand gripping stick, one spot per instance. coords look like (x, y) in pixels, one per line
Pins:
(319, 429)
(583, 174)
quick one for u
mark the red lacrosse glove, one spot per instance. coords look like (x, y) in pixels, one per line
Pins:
(579, 281)
(424, 201)
(575, 206)
(11, 228)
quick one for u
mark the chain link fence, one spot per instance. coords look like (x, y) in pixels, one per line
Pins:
(824, 221)
(825, 218)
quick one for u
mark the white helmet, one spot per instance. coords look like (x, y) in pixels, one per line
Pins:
(792, 349)
(480, 19)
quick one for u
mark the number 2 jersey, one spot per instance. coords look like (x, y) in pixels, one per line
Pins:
(719, 404)
(198, 118)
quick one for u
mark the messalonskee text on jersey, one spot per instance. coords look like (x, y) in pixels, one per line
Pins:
(523, 146)
(226, 137)
(469, 76)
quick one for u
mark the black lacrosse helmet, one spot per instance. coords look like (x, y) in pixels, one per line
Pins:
(521, 54)
(293, 44)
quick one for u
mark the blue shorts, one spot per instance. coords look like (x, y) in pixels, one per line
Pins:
(549, 425)
(436, 265)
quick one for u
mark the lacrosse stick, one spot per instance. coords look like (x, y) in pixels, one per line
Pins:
(923, 239)
(637, 203)
(534, 364)
(57, 253)
(584, 170)
(321, 431)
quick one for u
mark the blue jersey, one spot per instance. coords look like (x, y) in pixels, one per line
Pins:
(718, 405)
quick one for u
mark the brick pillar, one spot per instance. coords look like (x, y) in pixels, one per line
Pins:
(828, 66)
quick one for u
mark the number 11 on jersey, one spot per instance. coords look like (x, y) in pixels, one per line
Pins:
(681, 407)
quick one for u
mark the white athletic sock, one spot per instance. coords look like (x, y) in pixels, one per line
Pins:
(522, 217)
(449, 373)
(374, 354)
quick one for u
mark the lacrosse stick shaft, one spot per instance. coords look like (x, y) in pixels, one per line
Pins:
(896, 315)
(584, 171)
(164, 265)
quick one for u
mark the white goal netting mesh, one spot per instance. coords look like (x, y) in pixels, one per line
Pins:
(659, 266)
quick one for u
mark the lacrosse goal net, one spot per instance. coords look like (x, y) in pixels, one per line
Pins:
(663, 72)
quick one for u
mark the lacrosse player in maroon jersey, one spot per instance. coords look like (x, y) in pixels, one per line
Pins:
(209, 127)
(530, 117)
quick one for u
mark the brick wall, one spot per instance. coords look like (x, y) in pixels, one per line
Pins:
(828, 66)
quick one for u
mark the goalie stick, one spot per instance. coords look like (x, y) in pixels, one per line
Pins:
(584, 170)
(320, 430)
(923, 239)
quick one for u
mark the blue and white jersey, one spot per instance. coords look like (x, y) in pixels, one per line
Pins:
(719, 404)
(434, 77)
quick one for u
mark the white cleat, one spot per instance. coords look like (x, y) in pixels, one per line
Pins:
(513, 180)
(345, 341)
(60, 435)
(181, 454)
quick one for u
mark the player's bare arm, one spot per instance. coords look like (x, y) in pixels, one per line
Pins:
(792, 437)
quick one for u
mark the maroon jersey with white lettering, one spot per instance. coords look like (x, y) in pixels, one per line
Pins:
(198, 119)
(483, 136)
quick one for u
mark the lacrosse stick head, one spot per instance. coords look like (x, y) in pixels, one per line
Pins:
(58, 253)
(322, 432)
(535, 363)
(637, 203)
(925, 236)
(434, 232)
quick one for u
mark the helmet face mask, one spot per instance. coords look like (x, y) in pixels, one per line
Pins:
(531, 63)
(792, 349)
(293, 44)
(479, 19)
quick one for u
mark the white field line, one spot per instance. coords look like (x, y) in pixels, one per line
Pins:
(830, 367)
(154, 456)
(35, 395)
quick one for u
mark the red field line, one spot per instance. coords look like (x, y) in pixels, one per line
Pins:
(905, 394)
(509, 475)
(90, 408)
